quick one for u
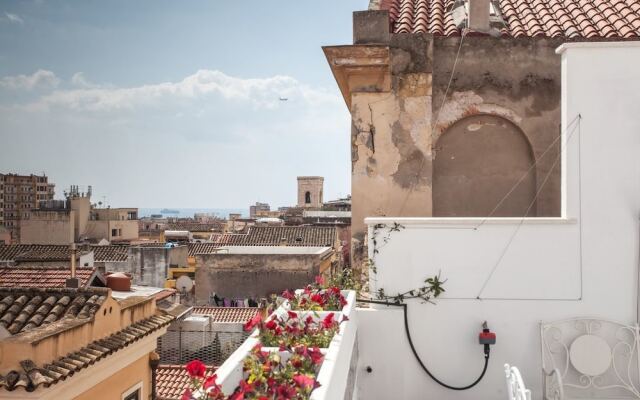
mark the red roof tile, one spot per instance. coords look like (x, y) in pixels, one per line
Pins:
(522, 18)
(172, 380)
(43, 277)
(239, 315)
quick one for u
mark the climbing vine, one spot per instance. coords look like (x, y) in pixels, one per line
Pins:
(430, 289)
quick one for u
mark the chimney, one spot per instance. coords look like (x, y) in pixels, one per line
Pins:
(73, 282)
(479, 11)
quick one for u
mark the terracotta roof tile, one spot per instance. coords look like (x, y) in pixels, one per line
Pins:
(552, 18)
(31, 377)
(43, 277)
(172, 380)
(23, 309)
(227, 314)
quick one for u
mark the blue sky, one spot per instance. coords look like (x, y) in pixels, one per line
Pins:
(175, 103)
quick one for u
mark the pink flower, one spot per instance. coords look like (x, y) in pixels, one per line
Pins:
(344, 319)
(305, 382)
(196, 369)
(186, 395)
(319, 280)
(316, 356)
(287, 295)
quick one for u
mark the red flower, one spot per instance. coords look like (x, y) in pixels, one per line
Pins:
(196, 369)
(309, 320)
(292, 315)
(186, 395)
(344, 319)
(305, 382)
(210, 382)
(316, 298)
(271, 325)
(319, 280)
(327, 322)
(253, 322)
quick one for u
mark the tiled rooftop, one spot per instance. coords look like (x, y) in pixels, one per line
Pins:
(238, 315)
(37, 252)
(22, 310)
(32, 377)
(171, 380)
(307, 236)
(110, 253)
(43, 277)
(525, 18)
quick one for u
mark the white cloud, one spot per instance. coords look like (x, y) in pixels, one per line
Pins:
(78, 79)
(39, 79)
(259, 92)
(14, 18)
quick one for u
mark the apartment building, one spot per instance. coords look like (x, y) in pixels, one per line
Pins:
(19, 194)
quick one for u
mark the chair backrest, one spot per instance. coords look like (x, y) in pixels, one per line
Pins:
(515, 385)
(594, 358)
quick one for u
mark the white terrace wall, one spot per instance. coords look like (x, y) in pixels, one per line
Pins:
(583, 264)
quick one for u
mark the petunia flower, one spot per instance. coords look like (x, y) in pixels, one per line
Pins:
(196, 369)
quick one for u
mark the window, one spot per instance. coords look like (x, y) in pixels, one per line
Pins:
(307, 197)
(114, 232)
(134, 393)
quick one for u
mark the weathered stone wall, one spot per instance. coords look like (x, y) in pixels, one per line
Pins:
(252, 275)
(395, 133)
(149, 265)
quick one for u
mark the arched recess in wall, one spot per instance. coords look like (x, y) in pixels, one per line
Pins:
(478, 160)
(307, 198)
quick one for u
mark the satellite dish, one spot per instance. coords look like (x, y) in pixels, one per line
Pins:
(184, 284)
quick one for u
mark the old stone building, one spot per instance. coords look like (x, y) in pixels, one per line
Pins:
(456, 104)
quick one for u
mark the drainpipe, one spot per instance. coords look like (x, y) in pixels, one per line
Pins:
(154, 361)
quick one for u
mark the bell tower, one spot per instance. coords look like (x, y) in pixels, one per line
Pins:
(310, 191)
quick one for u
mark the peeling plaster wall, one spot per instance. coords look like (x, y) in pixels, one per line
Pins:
(394, 145)
(516, 79)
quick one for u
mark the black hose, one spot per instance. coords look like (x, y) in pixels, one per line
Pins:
(487, 349)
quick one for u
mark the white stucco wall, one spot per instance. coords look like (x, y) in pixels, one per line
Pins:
(583, 264)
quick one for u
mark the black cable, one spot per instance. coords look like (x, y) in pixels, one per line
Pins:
(487, 349)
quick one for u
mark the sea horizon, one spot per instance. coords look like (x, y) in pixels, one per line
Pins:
(189, 212)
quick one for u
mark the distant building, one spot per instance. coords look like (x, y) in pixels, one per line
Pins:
(5, 236)
(240, 272)
(310, 191)
(258, 207)
(76, 220)
(19, 194)
(338, 204)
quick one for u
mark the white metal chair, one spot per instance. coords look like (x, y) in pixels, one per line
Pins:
(515, 384)
(590, 358)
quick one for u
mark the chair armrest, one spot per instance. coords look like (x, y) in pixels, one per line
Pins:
(552, 385)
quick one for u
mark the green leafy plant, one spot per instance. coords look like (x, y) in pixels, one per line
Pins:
(431, 289)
